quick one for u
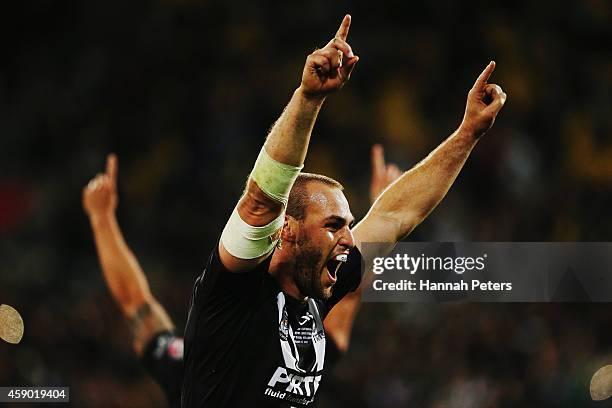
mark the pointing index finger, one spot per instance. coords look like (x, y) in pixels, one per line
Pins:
(111, 167)
(344, 27)
(484, 76)
(378, 160)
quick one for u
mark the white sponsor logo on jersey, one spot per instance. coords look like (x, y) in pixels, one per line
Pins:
(306, 318)
(293, 383)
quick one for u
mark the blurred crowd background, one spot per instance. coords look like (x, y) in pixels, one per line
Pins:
(184, 91)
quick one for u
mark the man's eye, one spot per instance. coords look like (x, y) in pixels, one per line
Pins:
(333, 226)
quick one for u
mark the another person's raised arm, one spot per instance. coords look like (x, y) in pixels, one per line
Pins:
(122, 272)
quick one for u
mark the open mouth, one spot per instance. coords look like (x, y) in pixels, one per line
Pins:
(333, 265)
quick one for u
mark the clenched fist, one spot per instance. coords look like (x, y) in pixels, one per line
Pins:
(483, 104)
(328, 69)
(100, 195)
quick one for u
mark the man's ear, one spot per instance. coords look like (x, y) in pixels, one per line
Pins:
(290, 230)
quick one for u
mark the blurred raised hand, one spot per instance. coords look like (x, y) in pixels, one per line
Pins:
(100, 194)
(121, 270)
(382, 174)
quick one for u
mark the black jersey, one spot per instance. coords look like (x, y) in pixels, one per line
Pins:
(248, 344)
(163, 360)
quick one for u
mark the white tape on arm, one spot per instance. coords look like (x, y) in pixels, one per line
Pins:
(274, 178)
(247, 242)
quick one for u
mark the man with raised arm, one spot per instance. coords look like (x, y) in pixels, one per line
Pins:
(287, 254)
(154, 340)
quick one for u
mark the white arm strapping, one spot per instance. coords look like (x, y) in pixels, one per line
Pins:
(247, 242)
(274, 178)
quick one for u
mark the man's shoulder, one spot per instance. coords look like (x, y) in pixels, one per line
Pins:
(216, 273)
(220, 294)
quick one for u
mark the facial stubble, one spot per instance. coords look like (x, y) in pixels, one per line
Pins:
(307, 268)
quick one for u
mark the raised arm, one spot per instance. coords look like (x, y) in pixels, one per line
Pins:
(121, 270)
(409, 200)
(251, 232)
(339, 321)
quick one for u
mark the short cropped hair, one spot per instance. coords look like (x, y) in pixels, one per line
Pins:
(298, 197)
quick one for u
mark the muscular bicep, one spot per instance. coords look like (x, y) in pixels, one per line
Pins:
(375, 228)
(256, 214)
(381, 229)
(256, 208)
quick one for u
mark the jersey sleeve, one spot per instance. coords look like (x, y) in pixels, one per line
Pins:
(216, 281)
(218, 289)
(163, 360)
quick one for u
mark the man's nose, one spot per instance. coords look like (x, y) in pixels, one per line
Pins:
(347, 238)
